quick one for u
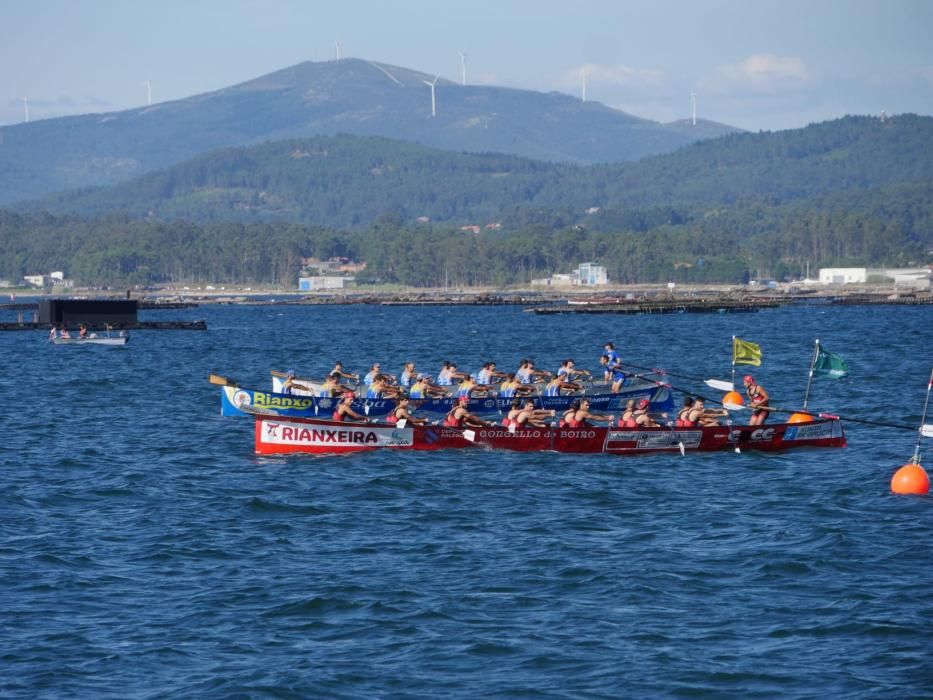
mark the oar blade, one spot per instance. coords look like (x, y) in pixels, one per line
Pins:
(729, 406)
(221, 381)
(927, 430)
(720, 384)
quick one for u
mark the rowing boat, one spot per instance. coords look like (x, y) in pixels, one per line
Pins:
(238, 401)
(92, 340)
(283, 435)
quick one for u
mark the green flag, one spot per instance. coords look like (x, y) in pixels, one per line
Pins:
(830, 364)
(745, 353)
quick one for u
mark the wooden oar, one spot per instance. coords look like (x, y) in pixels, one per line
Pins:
(829, 416)
(221, 381)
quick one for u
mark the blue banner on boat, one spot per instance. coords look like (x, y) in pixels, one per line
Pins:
(239, 401)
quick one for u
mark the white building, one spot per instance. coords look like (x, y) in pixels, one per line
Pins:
(843, 275)
(313, 284)
(589, 274)
(36, 280)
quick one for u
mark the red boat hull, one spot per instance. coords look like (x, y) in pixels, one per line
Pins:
(277, 435)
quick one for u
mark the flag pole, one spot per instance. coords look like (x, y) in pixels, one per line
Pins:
(816, 353)
(926, 403)
(733, 360)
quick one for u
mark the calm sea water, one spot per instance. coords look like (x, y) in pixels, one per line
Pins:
(145, 551)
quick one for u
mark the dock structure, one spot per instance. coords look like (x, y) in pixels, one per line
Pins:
(658, 306)
(94, 314)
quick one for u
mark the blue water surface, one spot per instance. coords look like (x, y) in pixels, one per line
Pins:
(145, 551)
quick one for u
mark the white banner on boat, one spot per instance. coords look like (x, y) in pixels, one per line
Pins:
(286, 433)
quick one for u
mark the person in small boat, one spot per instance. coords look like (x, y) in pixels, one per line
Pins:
(460, 417)
(531, 416)
(344, 410)
(338, 369)
(64, 332)
(641, 416)
(53, 333)
(703, 416)
(582, 416)
(527, 374)
(560, 385)
(82, 332)
(449, 374)
(290, 385)
(627, 419)
(403, 412)
(757, 400)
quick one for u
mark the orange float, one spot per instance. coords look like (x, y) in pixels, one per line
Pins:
(910, 479)
(800, 418)
(733, 397)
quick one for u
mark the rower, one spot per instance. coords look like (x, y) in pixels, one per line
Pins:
(371, 374)
(290, 384)
(344, 410)
(332, 387)
(468, 386)
(460, 417)
(338, 369)
(642, 419)
(53, 333)
(511, 387)
(380, 389)
(627, 419)
(582, 415)
(705, 417)
(423, 389)
(683, 415)
(402, 412)
(569, 413)
(559, 384)
(569, 371)
(82, 331)
(512, 415)
(408, 374)
(530, 416)
(758, 400)
(488, 374)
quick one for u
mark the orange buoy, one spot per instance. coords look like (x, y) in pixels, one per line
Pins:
(910, 479)
(800, 418)
(733, 397)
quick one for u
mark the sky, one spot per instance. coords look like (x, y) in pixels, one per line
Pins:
(754, 64)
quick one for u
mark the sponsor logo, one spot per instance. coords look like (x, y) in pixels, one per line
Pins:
(264, 400)
(350, 436)
(809, 432)
(241, 398)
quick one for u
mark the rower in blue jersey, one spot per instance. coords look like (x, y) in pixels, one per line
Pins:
(371, 374)
(489, 374)
(613, 372)
(408, 374)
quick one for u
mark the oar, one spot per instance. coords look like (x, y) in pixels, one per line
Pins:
(830, 416)
(713, 383)
(221, 381)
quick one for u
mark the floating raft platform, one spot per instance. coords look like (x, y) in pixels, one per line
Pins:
(673, 306)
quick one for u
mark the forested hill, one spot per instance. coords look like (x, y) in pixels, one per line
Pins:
(348, 182)
(346, 96)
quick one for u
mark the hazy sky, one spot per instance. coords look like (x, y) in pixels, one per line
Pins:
(753, 64)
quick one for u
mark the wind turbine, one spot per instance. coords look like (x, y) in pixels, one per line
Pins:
(463, 69)
(148, 84)
(583, 81)
(26, 108)
(431, 85)
(693, 99)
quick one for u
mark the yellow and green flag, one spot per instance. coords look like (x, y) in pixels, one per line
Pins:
(745, 353)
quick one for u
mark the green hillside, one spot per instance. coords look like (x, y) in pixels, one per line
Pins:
(851, 192)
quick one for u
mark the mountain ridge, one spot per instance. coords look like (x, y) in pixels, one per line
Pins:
(346, 96)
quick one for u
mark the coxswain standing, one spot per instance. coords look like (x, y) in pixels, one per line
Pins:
(758, 400)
